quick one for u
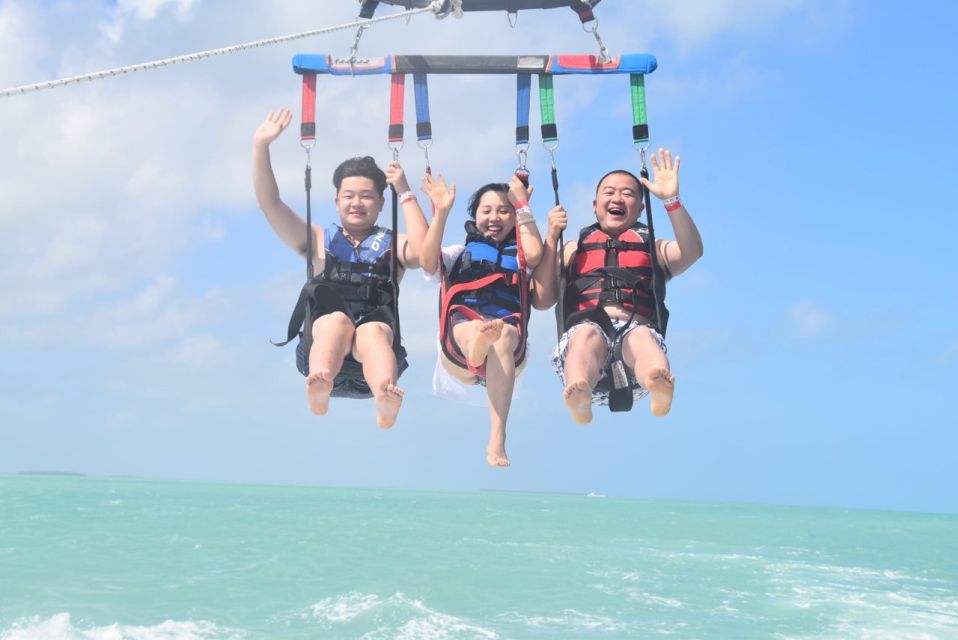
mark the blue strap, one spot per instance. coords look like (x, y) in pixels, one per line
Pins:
(523, 87)
(423, 124)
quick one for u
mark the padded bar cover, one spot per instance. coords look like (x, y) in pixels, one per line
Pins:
(551, 64)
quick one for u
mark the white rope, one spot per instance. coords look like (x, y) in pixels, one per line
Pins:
(97, 75)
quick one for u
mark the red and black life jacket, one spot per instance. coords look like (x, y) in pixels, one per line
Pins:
(614, 270)
(487, 280)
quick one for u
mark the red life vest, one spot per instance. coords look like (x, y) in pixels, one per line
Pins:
(609, 270)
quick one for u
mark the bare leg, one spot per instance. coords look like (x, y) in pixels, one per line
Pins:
(500, 381)
(374, 349)
(583, 364)
(475, 338)
(642, 354)
(457, 372)
(332, 337)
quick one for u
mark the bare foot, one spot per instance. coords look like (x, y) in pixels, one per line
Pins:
(496, 451)
(661, 384)
(578, 399)
(318, 387)
(388, 402)
(489, 332)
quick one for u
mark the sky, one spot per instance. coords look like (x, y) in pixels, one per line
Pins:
(815, 344)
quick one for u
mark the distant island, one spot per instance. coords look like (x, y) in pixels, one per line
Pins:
(50, 473)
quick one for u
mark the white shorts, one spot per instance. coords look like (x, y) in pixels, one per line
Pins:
(602, 397)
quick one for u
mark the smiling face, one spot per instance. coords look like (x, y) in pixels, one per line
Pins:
(617, 203)
(495, 217)
(358, 204)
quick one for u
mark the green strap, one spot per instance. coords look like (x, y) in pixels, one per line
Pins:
(640, 121)
(550, 132)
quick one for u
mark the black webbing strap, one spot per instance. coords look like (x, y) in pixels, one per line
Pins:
(653, 254)
(394, 273)
(308, 323)
(368, 8)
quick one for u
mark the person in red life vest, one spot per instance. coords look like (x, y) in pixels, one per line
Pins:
(353, 352)
(613, 312)
(484, 295)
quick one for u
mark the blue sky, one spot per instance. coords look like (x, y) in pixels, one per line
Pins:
(815, 344)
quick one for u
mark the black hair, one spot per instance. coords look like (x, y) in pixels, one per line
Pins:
(473, 207)
(363, 167)
(623, 172)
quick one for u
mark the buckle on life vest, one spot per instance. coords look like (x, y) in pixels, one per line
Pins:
(621, 295)
(612, 243)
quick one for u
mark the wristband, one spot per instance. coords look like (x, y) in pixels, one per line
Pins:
(525, 216)
(520, 204)
(672, 204)
(406, 196)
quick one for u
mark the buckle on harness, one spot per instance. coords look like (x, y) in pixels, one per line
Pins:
(619, 378)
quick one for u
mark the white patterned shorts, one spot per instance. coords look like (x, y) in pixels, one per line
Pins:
(602, 397)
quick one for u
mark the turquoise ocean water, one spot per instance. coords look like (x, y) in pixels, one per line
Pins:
(111, 559)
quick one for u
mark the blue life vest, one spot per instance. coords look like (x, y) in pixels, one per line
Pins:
(359, 274)
(482, 257)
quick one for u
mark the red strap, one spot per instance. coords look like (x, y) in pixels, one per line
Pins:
(307, 130)
(397, 96)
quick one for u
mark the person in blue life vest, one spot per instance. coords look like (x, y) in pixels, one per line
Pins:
(484, 292)
(353, 352)
(613, 302)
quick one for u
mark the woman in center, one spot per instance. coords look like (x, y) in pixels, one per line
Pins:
(484, 296)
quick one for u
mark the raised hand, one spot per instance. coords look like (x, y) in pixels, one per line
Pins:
(558, 221)
(441, 195)
(397, 177)
(518, 191)
(666, 174)
(274, 124)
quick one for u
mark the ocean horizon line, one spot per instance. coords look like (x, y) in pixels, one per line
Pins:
(478, 490)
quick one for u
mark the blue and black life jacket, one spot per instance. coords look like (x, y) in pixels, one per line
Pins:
(355, 280)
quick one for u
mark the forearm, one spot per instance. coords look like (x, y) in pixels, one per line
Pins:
(416, 230)
(431, 248)
(531, 243)
(264, 181)
(688, 242)
(545, 277)
(290, 228)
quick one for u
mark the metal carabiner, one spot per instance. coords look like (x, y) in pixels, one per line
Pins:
(603, 51)
(425, 151)
(355, 48)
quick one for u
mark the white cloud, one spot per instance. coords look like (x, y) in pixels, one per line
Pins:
(106, 185)
(808, 319)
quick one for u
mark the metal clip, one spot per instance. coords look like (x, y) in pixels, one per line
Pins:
(603, 51)
(619, 378)
(355, 48)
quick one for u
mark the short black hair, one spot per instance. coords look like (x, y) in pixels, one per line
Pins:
(473, 207)
(623, 172)
(363, 167)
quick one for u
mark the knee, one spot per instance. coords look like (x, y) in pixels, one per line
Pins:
(509, 338)
(375, 331)
(335, 322)
(586, 334)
